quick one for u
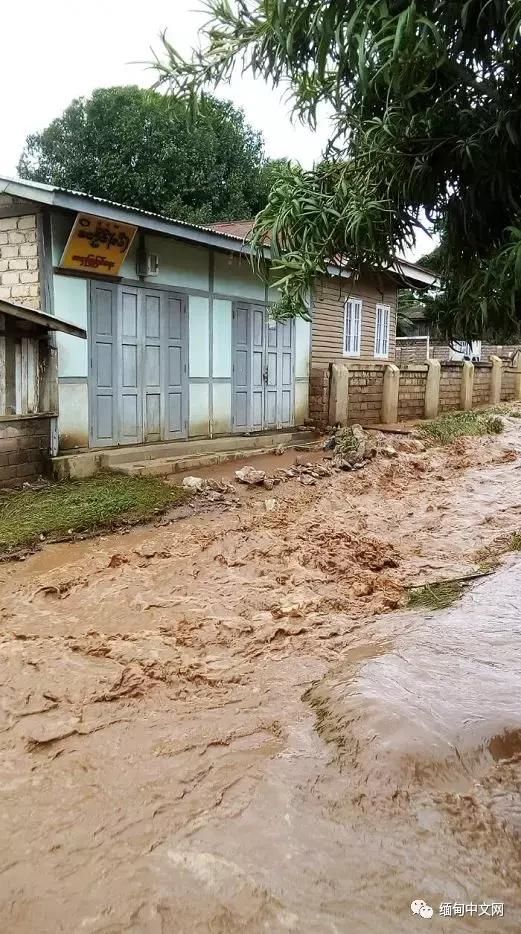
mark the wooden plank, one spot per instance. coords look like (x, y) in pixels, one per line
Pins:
(3, 396)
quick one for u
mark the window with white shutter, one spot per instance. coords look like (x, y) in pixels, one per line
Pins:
(381, 336)
(352, 327)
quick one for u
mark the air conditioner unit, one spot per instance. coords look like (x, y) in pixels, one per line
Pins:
(147, 264)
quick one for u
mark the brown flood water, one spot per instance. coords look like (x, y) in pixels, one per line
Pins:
(231, 724)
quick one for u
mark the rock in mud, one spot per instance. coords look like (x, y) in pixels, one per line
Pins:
(268, 483)
(351, 446)
(270, 505)
(388, 451)
(250, 476)
(411, 446)
(193, 483)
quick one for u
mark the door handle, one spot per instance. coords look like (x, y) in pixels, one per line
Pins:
(265, 374)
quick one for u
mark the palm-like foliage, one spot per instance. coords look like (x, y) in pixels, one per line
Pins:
(426, 103)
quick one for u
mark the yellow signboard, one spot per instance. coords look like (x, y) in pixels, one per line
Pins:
(97, 245)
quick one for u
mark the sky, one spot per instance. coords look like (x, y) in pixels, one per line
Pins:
(54, 51)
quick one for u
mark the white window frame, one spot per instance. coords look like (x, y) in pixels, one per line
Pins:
(352, 316)
(382, 328)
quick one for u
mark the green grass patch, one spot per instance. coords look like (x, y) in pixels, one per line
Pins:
(454, 425)
(436, 596)
(505, 408)
(70, 506)
(514, 542)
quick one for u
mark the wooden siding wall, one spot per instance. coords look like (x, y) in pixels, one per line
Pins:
(328, 317)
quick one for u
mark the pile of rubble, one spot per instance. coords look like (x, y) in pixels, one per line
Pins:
(346, 449)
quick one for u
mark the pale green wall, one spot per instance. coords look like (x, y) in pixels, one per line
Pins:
(222, 338)
(234, 276)
(199, 402)
(180, 264)
(199, 338)
(222, 408)
(70, 302)
(302, 348)
(73, 420)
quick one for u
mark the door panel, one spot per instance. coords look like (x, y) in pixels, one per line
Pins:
(131, 403)
(102, 364)
(152, 370)
(175, 355)
(241, 367)
(257, 369)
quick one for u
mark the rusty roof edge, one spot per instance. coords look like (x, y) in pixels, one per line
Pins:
(41, 318)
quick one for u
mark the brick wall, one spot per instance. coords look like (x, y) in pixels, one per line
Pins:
(19, 272)
(319, 397)
(365, 394)
(450, 386)
(481, 390)
(411, 398)
(507, 384)
(410, 351)
(24, 449)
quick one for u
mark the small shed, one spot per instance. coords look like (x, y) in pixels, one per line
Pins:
(28, 390)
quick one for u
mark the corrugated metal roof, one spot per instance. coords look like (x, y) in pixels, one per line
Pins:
(238, 229)
(235, 232)
(42, 186)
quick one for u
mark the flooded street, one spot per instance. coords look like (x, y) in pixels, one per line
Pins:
(231, 723)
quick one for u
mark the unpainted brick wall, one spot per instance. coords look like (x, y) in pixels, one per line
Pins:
(409, 350)
(481, 390)
(19, 261)
(450, 386)
(365, 394)
(507, 384)
(411, 397)
(24, 449)
(319, 397)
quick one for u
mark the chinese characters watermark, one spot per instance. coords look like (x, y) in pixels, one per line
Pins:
(459, 909)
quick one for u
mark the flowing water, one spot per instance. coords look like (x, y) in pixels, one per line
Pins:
(231, 724)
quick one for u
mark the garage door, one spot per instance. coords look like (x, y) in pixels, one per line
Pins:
(263, 369)
(138, 365)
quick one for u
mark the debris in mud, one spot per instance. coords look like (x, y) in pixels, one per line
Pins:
(193, 483)
(250, 476)
(352, 448)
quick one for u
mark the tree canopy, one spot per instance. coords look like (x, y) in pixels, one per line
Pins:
(147, 149)
(426, 104)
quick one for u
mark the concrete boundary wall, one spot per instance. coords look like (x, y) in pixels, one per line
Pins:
(376, 393)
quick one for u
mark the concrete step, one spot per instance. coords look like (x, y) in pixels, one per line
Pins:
(165, 466)
(167, 449)
(77, 466)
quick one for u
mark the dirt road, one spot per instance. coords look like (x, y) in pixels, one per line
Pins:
(230, 724)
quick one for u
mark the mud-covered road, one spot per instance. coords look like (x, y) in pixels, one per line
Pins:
(230, 723)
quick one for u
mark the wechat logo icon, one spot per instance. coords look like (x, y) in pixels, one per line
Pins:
(419, 907)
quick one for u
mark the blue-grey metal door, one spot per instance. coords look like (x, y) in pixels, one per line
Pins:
(263, 369)
(138, 372)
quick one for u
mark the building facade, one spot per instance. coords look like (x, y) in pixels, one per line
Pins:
(181, 343)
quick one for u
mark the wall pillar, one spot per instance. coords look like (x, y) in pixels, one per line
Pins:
(432, 388)
(338, 395)
(390, 394)
(467, 385)
(517, 379)
(496, 375)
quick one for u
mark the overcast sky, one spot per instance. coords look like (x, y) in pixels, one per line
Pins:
(53, 51)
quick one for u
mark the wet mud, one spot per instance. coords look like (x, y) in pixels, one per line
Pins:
(232, 723)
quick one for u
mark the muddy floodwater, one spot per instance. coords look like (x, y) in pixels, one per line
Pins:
(232, 723)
